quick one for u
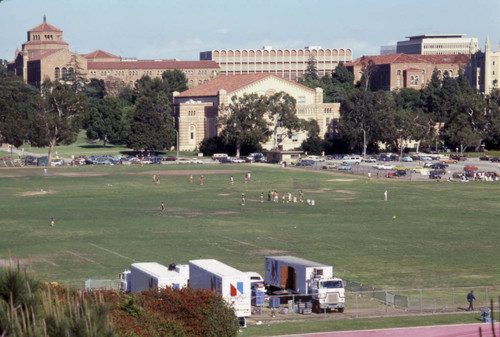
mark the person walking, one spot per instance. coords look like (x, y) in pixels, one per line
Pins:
(201, 180)
(243, 199)
(163, 206)
(191, 178)
(385, 195)
(52, 221)
(232, 180)
(470, 299)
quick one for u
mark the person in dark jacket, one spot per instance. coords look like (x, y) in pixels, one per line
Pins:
(470, 298)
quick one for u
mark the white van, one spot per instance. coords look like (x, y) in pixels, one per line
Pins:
(218, 156)
(352, 159)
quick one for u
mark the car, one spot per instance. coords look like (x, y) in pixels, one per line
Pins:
(399, 173)
(305, 162)
(425, 158)
(459, 157)
(352, 159)
(428, 165)
(237, 160)
(370, 159)
(439, 170)
(439, 166)
(170, 158)
(470, 168)
(400, 168)
(406, 159)
(419, 169)
(495, 160)
(383, 166)
(225, 161)
(384, 158)
(250, 159)
(448, 160)
(434, 175)
(315, 158)
(486, 158)
(57, 162)
(183, 161)
(344, 167)
(196, 161)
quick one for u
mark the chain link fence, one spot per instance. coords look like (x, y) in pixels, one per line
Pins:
(95, 284)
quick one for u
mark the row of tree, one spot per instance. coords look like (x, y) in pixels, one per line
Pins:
(447, 111)
(139, 117)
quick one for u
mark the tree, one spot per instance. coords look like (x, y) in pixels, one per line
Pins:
(58, 118)
(493, 113)
(243, 121)
(148, 130)
(358, 120)
(281, 111)
(18, 104)
(313, 144)
(105, 121)
(95, 90)
(367, 70)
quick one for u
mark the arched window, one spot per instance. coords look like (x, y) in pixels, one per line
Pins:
(64, 72)
(416, 80)
(192, 134)
(412, 80)
(399, 73)
(57, 73)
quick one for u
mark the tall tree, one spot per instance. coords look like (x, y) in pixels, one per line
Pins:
(281, 111)
(105, 121)
(147, 129)
(243, 121)
(18, 104)
(58, 118)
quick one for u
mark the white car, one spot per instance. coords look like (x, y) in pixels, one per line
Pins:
(237, 160)
(314, 158)
(384, 166)
(196, 161)
(352, 159)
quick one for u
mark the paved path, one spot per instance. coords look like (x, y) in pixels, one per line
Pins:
(462, 330)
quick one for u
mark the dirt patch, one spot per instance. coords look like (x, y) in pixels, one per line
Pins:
(266, 252)
(186, 173)
(32, 193)
(341, 179)
(224, 213)
(344, 191)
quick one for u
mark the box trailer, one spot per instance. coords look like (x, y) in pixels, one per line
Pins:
(232, 284)
(304, 277)
(147, 275)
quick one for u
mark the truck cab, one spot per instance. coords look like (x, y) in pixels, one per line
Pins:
(328, 294)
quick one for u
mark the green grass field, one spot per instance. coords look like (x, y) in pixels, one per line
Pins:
(443, 234)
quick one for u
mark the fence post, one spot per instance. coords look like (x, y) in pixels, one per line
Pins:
(421, 301)
(385, 301)
(453, 299)
(486, 294)
(357, 312)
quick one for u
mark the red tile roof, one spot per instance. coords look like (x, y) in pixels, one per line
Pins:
(45, 27)
(163, 64)
(229, 83)
(36, 42)
(405, 58)
(44, 55)
(99, 54)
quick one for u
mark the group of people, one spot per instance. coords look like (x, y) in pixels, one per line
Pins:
(156, 179)
(285, 197)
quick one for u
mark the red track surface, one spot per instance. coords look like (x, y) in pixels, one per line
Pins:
(463, 330)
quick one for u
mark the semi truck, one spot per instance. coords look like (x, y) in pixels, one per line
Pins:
(311, 279)
(233, 285)
(147, 275)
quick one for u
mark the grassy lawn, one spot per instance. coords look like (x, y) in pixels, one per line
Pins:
(427, 235)
(359, 324)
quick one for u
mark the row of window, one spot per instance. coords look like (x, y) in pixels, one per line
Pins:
(200, 72)
(63, 73)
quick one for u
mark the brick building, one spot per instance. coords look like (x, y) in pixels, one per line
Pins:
(389, 72)
(286, 63)
(45, 55)
(196, 110)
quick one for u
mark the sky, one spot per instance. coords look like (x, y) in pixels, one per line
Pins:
(167, 29)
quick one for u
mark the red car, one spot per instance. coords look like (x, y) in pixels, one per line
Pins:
(470, 168)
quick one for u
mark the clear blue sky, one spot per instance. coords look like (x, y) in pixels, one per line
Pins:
(163, 29)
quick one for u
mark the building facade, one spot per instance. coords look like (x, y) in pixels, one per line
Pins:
(485, 69)
(396, 71)
(45, 56)
(287, 63)
(438, 44)
(196, 110)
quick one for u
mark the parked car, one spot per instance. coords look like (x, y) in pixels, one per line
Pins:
(183, 161)
(439, 170)
(406, 159)
(315, 158)
(344, 167)
(419, 169)
(57, 162)
(470, 168)
(305, 162)
(486, 158)
(370, 159)
(434, 175)
(399, 173)
(352, 159)
(448, 160)
(439, 166)
(458, 157)
(383, 166)
(225, 161)
(400, 168)
(495, 160)
(237, 160)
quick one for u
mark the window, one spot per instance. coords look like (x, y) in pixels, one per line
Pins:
(295, 138)
(57, 73)
(399, 73)
(416, 80)
(412, 81)
(64, 73)
(301, 100)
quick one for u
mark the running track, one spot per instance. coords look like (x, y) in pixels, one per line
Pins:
(463, 330)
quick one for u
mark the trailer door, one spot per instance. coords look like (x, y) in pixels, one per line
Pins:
(283, 277)
(292, 279)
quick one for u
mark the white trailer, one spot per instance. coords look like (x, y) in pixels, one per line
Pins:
(232, 284)
(147, 275)
(304, 277)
